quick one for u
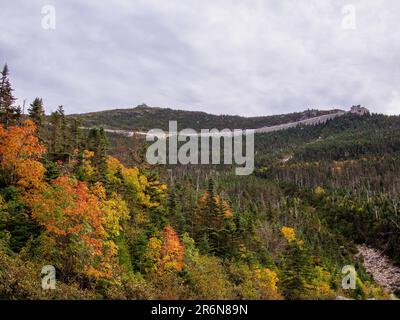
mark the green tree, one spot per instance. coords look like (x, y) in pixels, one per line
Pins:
(55, 135)
(37, 114)
(9, 114)
(97, 143)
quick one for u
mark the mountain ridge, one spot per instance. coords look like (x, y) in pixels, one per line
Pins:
(144, 118)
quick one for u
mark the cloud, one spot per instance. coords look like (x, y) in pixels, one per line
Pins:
(250, 57)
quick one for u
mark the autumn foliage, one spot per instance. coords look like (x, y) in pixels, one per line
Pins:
(172, 250)
(78, 224)
(20, 152)
(167, 253)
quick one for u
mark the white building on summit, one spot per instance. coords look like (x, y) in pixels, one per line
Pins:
(359, 110)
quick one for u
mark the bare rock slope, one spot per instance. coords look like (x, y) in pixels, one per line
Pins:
(379, 266)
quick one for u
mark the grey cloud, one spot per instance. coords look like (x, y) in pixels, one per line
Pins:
(252, 57)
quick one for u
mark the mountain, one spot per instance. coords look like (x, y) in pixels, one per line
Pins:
(144, 118)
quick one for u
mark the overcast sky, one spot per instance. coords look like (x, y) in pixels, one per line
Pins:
(247, 57)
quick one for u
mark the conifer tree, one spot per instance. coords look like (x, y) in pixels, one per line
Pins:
(63, 129)
(9, 114)
(36, 113)
(59, 138)
(75, 134)
(97, 143)
(175, 214)
(55, 134)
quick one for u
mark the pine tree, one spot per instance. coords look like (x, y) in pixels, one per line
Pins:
(175, 213)
(36, 113)
(213, 220)
(55, 135)
(297, 271)
(97, 143)
(9, 114)
(65, 145)
(59, 136)
(18, 114)
(75, 136)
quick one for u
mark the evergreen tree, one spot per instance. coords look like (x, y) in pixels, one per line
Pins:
(97, 142)
(65, 145)
(8, 113)
(297, 272)
(175, 213)
(36, 113)
(75, 134)
(55, 135)
(59, 136)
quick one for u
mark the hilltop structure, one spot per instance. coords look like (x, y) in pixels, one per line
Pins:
(359, 110)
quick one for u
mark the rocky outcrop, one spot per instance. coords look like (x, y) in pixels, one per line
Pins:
(359, 110)
(379, 266)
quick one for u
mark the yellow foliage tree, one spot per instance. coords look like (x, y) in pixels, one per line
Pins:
(319, 191)
(289, 234)
(136, 184)
(256, 283)
(88, 169)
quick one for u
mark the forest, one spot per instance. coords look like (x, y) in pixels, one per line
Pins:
(114, 227)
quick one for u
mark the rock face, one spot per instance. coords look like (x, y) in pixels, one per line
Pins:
(359, 110)
(383, 271)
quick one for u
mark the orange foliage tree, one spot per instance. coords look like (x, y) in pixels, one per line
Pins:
(173, 251)
(20, 151)
(78, 224)
(166, 254)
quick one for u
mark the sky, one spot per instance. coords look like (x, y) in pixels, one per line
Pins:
(251, 58)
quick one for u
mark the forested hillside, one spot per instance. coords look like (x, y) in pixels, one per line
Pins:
(147, 118)
(354, 162)
(115, 227)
